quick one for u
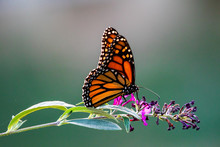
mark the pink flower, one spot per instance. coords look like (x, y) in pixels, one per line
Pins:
(143, 105)
(128, 101)
(146, 110)
(118, 101)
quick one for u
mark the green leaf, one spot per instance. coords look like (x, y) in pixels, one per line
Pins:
(120, 108)
(15, 127)
(80, 103)
(16, 122)
(87, 110)
(95, 124)
(126, 123)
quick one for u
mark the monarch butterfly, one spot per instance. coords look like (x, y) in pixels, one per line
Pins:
(115, 74)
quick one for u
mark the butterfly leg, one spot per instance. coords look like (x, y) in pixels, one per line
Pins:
(137, 96)
(124, 98)
(139, 106)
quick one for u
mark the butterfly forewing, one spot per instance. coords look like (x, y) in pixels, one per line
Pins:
(122, 59)
(108, 37)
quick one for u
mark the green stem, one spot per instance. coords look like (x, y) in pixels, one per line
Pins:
(31, 128)
(58, 123)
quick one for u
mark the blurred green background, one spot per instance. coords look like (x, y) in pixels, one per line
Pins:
(47, 48)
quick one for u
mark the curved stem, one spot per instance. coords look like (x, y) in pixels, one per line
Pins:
(31, 128)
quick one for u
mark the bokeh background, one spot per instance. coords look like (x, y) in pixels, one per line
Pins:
(47, 48)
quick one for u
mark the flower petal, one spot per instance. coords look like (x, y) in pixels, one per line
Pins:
(143, 112)
(144, 119)
(128, 101)
(118, 101)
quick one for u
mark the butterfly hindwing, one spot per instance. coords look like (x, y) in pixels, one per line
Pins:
(103, 86)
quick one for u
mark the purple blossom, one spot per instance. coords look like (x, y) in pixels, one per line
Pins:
(128, 101)
(167, 112)
(144, 118)
(143, 105)
(131, 128)
(118, 101)
(145, 110)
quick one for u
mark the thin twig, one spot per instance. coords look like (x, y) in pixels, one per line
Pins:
(30, 128)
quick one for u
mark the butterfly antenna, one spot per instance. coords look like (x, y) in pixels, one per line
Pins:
(151, 92)
(137, 95)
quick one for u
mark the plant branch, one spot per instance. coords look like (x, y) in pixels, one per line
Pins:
(31, 128)
(171, 111)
